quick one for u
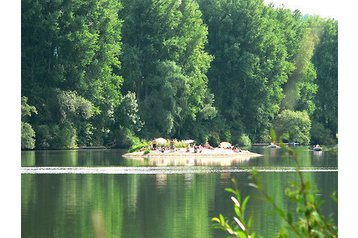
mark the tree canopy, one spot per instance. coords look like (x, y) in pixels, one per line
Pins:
(109, 72)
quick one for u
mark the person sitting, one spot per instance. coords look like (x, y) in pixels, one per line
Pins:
(172, 146)
(207, 146)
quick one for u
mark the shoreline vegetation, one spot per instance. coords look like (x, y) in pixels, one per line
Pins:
(98, 73)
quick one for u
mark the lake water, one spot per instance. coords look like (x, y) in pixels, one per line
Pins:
(125, 198)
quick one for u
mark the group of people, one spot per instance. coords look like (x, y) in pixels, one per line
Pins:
(199, 148)
(162, 149)
(190, 148)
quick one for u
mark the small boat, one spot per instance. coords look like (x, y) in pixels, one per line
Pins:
(317, 148)
(272, 145)
(293, 143)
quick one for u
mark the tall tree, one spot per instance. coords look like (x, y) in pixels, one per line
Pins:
(301, 86)
(165, 64)
(71, 46)
(250, 64)
(325, 60)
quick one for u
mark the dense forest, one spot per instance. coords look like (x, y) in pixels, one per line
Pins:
(113, 72)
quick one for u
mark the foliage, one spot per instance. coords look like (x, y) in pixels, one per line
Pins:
(164, 63)
(300, 88)
(210, 70)
(309, 222)
(64, 136)
(250, 64)
(125, 138)
(214, 139)
(325, 59)
(296, 125)
(244, 140)
(26, 109)
(27, 132)
(27, 136)
(241, 228)
(180, 144)
(73, 107)
(70, 49)
(43, 136)
(127, 113)
(321, 135)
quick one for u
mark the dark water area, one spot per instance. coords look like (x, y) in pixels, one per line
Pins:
(157, 205)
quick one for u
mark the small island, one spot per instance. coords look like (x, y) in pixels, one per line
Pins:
(165, 152)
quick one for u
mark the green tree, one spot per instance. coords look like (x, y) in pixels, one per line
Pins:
(165, 64)
(325, 60)
(27, 132)
(295, 125)
(72, 46)
(301, 87)
(250, 64)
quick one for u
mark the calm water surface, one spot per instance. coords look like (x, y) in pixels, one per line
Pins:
(156, 205)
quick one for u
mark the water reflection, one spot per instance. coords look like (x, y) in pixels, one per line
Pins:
(156, 205)
(113, 158)
(98, 224)
(192, 161)
(317, 154)
(150, 205)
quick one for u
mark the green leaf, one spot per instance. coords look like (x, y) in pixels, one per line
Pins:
(215, 219)
(289, 218)
(244, 203)
(242, 234)
(253, 185)
(222, 219)
(230, 190)
(249, 222)
(237, 211)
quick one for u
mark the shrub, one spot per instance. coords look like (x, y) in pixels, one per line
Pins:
(27, 136)
(321, 135)
(214, 139)
(27, 132)
(43, 137)
(138, 145)
(180, 144)
(64, 137)
(295, 124)
(244, 140)
(309, 221)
